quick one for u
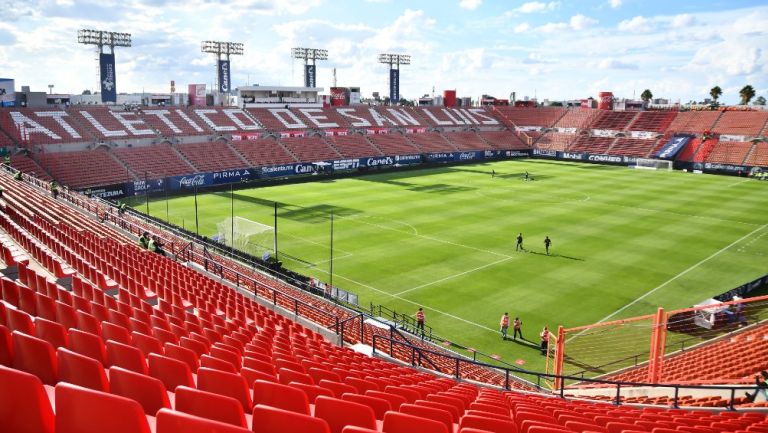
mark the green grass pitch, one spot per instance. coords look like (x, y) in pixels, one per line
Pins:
(624, 241)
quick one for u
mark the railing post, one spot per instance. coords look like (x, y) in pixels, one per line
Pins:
(341, 340)
(413, 356)
(362, 326)
(296, 307)
(274, 297)
(618, 394)
(674, 400)
(337, 325)
(733, 396)
(373, 343)
(458, 372)
(506, 379)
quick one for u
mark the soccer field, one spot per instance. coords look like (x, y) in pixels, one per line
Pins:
(624, 241)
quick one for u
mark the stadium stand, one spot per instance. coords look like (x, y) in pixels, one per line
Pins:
(107, 124)
(694, 122)
(353, 145)
(264, 151)
(502, 140)
(85, 168)
(633, 147)
(212, 156)
(578, 118)
(431, 142)
(160, 160)
(393, 144)
(653, 121)
(729, 152)
(614, 120)
(28, 165)
(556, 141)
(759, 155)
(704, 149)
(38, 126)
(173, 122)
(269, 118)
(520, 117)
(310, 148)
(467, 140)
(745, 123)
(224, 120)
(587, 143)
(321, 118)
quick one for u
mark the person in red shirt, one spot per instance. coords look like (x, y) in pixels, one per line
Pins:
(420, 320)
(544, 340)
(504, 323)
(516, 326)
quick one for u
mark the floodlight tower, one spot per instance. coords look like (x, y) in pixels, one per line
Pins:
(310, 70)
(394, 61)
(226, 49)
(102, 39)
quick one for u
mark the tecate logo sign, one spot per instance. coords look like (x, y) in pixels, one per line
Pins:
(386, 160)
(197, 180)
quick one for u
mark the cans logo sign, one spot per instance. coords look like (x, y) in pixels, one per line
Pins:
(225, 80)
(107, 75)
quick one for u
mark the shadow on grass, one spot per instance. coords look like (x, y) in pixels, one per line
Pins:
(560, 256)
(440, 188)
(306, 214)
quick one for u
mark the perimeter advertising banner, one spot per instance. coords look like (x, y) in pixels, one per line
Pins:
(7, 95)
(394, 85)
(310, 77)
(107, 74)
(225, 80)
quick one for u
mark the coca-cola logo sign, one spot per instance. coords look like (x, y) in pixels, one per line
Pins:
(192, 181)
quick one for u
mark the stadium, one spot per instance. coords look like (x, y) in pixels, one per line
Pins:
(275, 258)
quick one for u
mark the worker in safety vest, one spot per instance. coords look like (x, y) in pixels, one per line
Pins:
(544, 340)
(504, 323)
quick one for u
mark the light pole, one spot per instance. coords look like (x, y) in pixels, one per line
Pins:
(310, 70)
(107, 75)
(223, 71)
(394, 61)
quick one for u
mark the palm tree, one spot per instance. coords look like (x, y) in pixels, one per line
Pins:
(747, 93)
(715, 93)
(646, 95)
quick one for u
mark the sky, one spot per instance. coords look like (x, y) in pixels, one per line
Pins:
(556, 50)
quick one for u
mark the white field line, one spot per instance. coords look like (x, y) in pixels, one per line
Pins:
(426, 307)
(648, 293)
(450, 277)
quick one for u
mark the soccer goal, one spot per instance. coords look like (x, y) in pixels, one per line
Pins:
(245, 235)
(653, 164)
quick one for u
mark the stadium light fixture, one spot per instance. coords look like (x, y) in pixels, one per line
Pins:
(309, 55)
(102, 38)
(395, 59)
(225, 49)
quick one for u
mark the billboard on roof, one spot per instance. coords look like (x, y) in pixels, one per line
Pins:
(7, 93)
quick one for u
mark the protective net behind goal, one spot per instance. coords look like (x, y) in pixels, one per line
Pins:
(245, 235)
(653, 164)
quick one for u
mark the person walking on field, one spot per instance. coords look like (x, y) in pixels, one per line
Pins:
(420, 320)
(504, 323)
(519, 244)
(547, 243)
(544, 340)
(516, 326)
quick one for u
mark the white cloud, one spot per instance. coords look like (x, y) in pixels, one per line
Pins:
(683, 20)
(615, 3)
(535, 6)
(470, 4)
(581, 22)
(636, 24)
(616, 64)
(522, 28)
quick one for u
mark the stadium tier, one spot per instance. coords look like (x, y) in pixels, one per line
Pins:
(167, 142)
(759, 155)
(92, 324)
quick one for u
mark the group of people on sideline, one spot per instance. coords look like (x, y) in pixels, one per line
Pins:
(151, 243)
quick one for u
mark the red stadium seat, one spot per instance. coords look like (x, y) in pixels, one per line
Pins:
(87, 344)
(379, 405)
(148, 391)
(51, 332)
(490, 424)
(339, 413)
(170, 372)
(81, 410)
(438, 415)
(35, 356)
(6, 347)
(24, 405)
(169, 421)
(125, 356)
(229, 384)
(209, 405)
(273, 420)
(280, 396)
(396, 422)
(312, 391)
(81, 370)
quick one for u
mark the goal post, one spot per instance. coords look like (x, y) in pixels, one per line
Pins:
(245, 235)
(653, 164)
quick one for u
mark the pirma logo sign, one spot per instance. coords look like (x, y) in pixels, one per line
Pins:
(224, 76)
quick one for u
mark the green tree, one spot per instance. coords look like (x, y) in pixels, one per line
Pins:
(715, 93)
(86, 92)
(646, 96)
(760, 100)
(747, 93)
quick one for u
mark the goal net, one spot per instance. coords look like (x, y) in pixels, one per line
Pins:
(245, 235)
(653, 164)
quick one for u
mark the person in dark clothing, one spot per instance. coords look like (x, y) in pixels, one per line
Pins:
(519, 245)
(121, 207)
(155, 246)
(544, 340)
(517, 326)
(547, 243)
(760, 386)
(54, 189)
(18, 176)
(493, 173)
